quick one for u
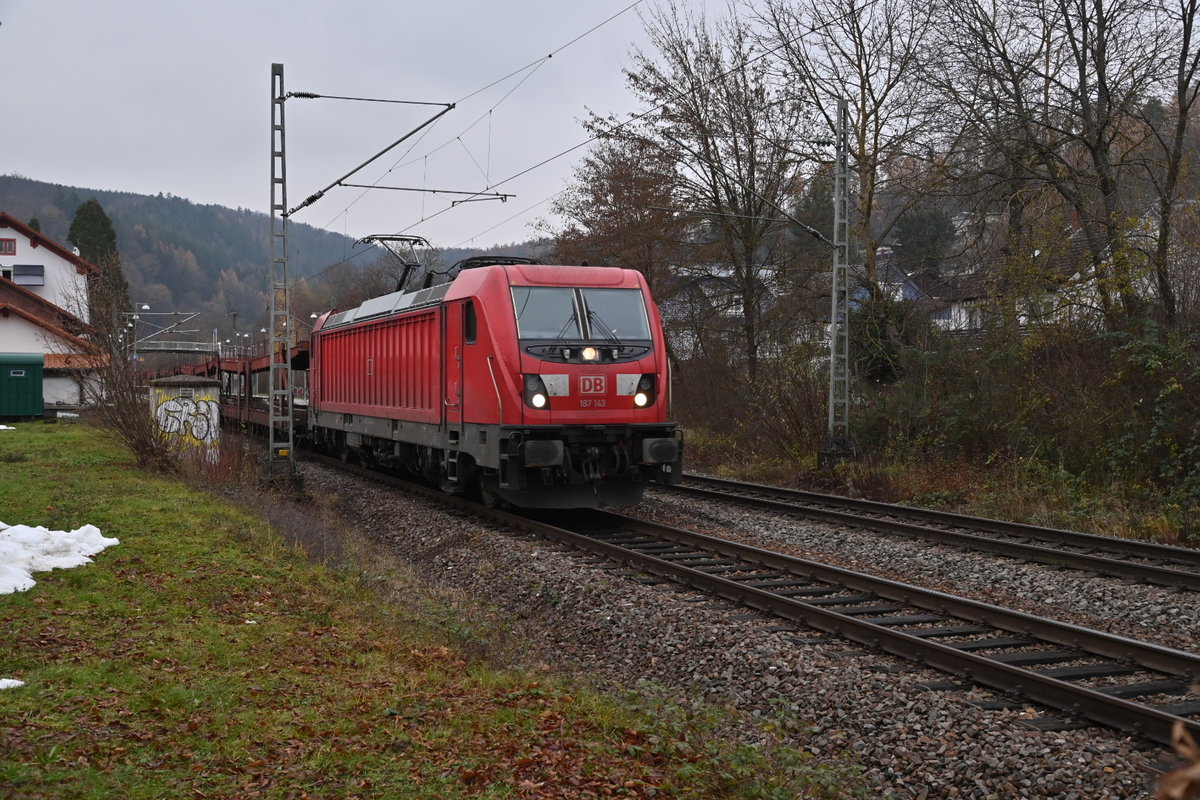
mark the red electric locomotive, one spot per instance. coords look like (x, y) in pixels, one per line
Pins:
(539, 386)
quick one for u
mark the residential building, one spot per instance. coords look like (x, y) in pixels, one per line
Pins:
(44, 308)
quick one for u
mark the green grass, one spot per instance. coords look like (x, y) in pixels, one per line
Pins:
(205, 657)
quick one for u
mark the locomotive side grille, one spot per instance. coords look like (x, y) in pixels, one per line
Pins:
(387, 304)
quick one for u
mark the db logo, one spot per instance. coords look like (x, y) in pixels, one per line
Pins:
(591, 384)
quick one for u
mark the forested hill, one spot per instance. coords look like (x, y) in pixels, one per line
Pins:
(178, 254)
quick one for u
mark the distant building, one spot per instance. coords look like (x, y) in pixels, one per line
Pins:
(1052, 286)
(44, 308)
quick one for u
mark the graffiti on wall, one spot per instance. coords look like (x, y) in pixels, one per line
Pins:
(196, 420)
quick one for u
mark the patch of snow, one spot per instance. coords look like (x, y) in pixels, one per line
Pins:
(25, 550)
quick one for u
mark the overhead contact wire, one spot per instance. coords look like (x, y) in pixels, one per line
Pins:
(538, 62)
(638, 117)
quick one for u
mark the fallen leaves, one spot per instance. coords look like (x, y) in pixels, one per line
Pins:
(150, 681)
(1182, 783)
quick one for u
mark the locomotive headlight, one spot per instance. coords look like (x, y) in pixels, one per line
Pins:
(643, 395)
(589, 354)
(535, 392)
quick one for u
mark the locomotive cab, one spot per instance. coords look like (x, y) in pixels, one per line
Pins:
(594, 391)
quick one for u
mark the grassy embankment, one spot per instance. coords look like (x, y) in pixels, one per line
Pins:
(205, 657)
(1031, 492)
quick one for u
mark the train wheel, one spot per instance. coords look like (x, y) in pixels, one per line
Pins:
(366, 457)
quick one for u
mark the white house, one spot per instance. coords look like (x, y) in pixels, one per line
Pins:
(44, 309)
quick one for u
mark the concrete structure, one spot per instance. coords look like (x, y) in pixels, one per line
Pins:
(44, 308)
(187, 409)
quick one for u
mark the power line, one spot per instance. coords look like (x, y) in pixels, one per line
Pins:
(315, 96)
(529, 68)
(638, 117)
(430, 191)
(334, 266)
(317, 196)
(538, 62)
(363, 193)
(522, 212)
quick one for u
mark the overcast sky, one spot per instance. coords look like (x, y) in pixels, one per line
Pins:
(154, 96)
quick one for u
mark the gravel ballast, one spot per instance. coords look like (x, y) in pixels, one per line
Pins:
(826, 695)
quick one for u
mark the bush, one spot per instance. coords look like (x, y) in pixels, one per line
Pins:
(1100, 408)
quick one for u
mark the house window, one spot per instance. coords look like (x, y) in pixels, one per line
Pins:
(8, 247)
(29, 274)
(6, 273)
(16, 373)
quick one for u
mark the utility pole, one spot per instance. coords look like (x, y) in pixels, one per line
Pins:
(838, 444)
(281, 460)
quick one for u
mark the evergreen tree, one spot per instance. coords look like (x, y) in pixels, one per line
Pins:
(35, 224)
(925, 235)
(92, 232)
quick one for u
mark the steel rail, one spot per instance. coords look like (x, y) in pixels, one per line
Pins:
(1052, 692)
(1186, 575)
(1095, 705)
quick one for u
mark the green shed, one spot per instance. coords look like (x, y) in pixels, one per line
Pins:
(21, 385)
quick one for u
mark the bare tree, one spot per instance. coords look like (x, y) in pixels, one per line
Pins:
(1114, 48)
(871, 55)
(1052, 90)
(1184, 263)
(110, 381)
(731, 132)
(1173, 135)
(348, 283)
(619, 210)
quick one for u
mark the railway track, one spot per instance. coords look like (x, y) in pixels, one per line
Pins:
(1144, 562)
(1109, 680)
(1133, 686)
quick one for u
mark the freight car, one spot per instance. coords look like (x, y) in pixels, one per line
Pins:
(533, 385)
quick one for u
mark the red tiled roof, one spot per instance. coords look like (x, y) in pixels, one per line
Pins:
(7, 309)
(75, 360)
(82, 266)
(18, 296)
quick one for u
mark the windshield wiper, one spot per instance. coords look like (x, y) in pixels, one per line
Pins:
(571, 320)
(610, 335)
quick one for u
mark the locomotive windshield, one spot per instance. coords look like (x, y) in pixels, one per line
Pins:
(564, 314)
